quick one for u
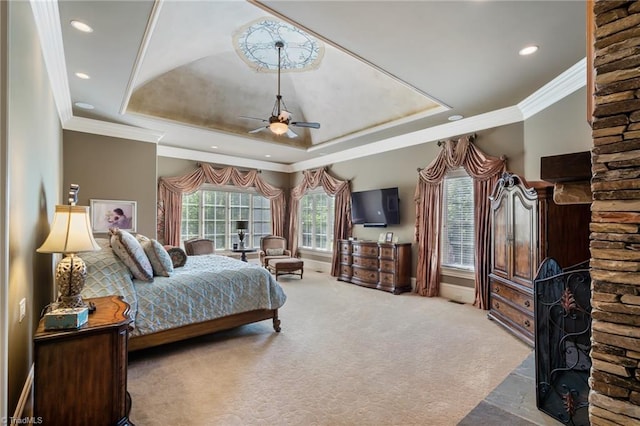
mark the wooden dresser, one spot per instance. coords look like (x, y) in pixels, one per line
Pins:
(81, 375)
(385, 266)
(527, 227)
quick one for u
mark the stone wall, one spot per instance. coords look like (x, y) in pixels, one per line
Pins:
(615, 224)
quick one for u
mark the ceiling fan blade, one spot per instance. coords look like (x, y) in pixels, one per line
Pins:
(254, 118)
(291, 133)
(305, 124)
(258, 129)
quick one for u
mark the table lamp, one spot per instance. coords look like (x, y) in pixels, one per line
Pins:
(241, 226)
(70, 234)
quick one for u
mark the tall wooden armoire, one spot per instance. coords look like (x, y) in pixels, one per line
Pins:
(527, 227)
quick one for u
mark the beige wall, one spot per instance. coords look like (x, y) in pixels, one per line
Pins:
(399, 168)
(34, 144)
(561, 128)
(109, 168)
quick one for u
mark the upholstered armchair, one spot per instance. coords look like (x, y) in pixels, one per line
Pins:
(196, 246)
(273, 247)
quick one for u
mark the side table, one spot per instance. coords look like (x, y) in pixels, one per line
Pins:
(81, 374)
(244, 252)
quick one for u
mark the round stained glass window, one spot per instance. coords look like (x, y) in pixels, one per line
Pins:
(255, 44)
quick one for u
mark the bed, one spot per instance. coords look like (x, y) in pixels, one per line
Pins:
(209, 293)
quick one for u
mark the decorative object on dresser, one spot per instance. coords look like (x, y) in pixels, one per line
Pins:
(385, 266)
(70, 234)
(527, 226)
(81, 375)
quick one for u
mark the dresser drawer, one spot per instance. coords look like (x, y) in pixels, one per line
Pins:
(365, 262)
(345, 258)
(366, 275)
(366, 249)
(522, 320)
(387, 265)
(346, 270)
(387, 253)
(522, 300)
(345, 248)
(388, 279)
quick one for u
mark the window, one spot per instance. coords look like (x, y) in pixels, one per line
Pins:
(209, 213)
(316, 221)
(458, 242)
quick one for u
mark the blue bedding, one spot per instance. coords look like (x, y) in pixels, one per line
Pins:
(207, 287)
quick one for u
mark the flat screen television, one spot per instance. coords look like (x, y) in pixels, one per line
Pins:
(376, 207)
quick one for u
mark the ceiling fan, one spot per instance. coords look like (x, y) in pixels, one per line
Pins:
(280, 119)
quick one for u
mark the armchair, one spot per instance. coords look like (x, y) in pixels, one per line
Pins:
(196, 246)
(273, 247)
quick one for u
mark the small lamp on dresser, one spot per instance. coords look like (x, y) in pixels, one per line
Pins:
(70, 234)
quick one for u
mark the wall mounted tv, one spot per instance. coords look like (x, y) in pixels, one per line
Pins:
(376, 207)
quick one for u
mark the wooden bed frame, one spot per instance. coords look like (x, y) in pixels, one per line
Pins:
(202, 328)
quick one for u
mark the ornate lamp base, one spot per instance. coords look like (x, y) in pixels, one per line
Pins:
(71, 273)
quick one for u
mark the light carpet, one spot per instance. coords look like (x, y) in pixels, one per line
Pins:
(347, 355)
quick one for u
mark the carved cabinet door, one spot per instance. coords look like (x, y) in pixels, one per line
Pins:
(501, 245)
(524, 224)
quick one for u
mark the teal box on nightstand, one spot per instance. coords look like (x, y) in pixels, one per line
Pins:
(65, 318)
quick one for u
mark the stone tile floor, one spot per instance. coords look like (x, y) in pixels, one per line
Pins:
(512, 402)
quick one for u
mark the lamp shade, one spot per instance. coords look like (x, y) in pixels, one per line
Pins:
(242, 224)
(70, 232)
(278, 128)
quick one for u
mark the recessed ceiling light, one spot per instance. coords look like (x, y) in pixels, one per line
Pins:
(84, 105)
(528, 50)
(81, 26)
(214, 146)
(82, 75)
(455, 117)
(268, 155)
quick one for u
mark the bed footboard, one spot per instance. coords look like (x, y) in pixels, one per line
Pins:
(202, 328)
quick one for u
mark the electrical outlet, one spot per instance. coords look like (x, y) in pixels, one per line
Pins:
(23, 309)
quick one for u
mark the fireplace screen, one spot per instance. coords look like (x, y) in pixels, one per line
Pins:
(563, 341)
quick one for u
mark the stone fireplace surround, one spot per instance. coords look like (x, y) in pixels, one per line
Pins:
(615, 222)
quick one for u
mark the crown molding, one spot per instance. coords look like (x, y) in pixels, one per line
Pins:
(142, 51)
(105, 128)
(47, 19)
(476, 123)
(565, 84)
(190, 154)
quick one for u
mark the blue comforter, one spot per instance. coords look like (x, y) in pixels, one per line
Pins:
(207, 287)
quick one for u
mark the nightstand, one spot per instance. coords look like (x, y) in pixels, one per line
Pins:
(81, 374)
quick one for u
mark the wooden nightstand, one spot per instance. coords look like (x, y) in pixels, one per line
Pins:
(81, 375)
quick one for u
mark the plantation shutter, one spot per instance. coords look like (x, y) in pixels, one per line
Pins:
(458, 238)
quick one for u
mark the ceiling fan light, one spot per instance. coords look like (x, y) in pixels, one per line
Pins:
(278, 128)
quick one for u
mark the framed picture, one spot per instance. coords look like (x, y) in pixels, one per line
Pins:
(382, 237)
(107, 214)
(389, 237)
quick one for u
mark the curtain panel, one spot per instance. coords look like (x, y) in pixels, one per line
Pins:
(342, 212)
(170, 190)
(485, 170)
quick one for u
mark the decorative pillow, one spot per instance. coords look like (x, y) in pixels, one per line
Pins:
(129, 250)
(160, 260)
(275, 252)
(178, 256)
